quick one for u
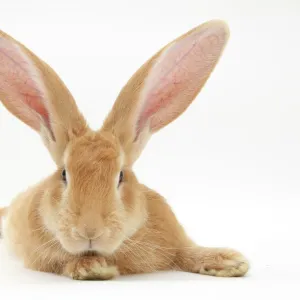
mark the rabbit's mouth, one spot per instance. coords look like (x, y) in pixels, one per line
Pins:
(90, 253)
(104, 245)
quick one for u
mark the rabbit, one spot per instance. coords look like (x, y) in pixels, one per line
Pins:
(92, 219)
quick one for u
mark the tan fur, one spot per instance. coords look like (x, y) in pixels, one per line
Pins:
(132, 228)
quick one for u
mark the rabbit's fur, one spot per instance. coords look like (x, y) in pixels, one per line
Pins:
(87, 220)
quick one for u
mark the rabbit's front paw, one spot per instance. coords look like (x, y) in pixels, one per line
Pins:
(224, 263)
(90, 268)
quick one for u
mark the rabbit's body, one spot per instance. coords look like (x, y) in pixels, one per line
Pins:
(92, 219)
(159, 244)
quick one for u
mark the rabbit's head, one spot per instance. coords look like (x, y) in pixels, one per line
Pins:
(93, 202)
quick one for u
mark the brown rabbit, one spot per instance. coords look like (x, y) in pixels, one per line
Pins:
(92, 219)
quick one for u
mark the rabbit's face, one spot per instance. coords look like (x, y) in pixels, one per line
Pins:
(100, 205)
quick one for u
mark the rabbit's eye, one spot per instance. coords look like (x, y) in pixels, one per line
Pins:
(121, 177)
(64, 175)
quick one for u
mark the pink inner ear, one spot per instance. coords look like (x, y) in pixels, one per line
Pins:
(178, 75)
(20, 88)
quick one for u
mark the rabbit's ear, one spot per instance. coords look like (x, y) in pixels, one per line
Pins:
(165, 86)
(33, 92)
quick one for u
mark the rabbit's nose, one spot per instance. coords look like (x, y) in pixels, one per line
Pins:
(88, 233)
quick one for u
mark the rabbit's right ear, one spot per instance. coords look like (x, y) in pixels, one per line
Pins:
(34, 93)
(165, 86)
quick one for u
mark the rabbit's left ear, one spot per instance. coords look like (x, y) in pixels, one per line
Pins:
(165, 86)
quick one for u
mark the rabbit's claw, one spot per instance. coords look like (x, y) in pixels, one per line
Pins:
(91, 268)
(227, 263)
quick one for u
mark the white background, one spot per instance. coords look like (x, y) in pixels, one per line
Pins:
(229, 167)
